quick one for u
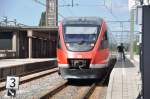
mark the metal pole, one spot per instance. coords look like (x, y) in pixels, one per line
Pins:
(131, 33)
(121, 23)
(147, 2)
(6, 20)
(72, 3)
(46, 15)
(141, 2)
(15, 22)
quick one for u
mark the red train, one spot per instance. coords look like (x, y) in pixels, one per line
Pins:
(84, 48)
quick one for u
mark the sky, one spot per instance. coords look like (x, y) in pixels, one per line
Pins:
(25, 11)
(29, 12)
(106, 11)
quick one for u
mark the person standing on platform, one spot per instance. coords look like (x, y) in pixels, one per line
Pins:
(121, 51)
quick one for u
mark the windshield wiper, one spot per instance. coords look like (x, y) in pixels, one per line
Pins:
(81, 42)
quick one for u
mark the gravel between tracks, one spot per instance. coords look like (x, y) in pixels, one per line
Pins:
(70, 92)
(36, 88)
(76, 92)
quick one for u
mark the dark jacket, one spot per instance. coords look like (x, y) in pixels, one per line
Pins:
(120, 48)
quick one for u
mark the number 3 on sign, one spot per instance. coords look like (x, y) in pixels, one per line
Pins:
(12, 82)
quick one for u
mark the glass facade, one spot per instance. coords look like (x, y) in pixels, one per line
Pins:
(6, 40)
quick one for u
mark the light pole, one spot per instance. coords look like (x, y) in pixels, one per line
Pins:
(5, 19)
(131, 33)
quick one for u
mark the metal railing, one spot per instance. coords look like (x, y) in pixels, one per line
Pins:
(7, 54)
(10, 23)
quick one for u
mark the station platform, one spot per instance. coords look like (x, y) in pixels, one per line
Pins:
(125, 80)
(20, 67)
(4, 63)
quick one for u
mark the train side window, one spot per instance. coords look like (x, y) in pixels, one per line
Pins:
(106, 39)
(104, 42)
(58, 42)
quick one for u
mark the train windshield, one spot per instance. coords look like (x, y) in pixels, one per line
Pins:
(80, 38)
(80, 33)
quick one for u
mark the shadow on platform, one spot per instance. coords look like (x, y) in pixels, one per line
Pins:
(124, 64)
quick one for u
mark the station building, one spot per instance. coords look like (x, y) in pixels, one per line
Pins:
(28, 42)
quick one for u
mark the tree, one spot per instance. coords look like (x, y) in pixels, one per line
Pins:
(43, 19)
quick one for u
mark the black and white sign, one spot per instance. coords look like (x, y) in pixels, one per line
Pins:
(12, 82)
(11, 92)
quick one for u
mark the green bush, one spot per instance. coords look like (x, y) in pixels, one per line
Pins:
(136, 48)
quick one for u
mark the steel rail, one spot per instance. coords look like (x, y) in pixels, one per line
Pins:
(55, 90)
(31, 77)
(103, 82)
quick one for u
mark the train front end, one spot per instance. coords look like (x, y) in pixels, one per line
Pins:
(79, 53)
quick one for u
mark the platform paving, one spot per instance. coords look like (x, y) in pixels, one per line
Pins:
(125, 82)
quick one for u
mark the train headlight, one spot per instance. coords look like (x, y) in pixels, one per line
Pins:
(92, 44)
(67, 44)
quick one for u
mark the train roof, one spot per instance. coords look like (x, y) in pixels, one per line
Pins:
(82, 20)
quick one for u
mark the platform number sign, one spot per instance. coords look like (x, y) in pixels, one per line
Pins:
(12, 82)
(11, 92)
(12, 85)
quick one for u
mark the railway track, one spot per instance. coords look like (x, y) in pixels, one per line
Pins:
(97, 87)
(94, 90)
(55, 90)
(30, 77)
(47, 86)
(83, 92)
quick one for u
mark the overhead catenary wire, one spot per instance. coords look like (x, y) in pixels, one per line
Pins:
(39, 2)
(68, 5)
(110, 10)
(81, 5)
(90, 5)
